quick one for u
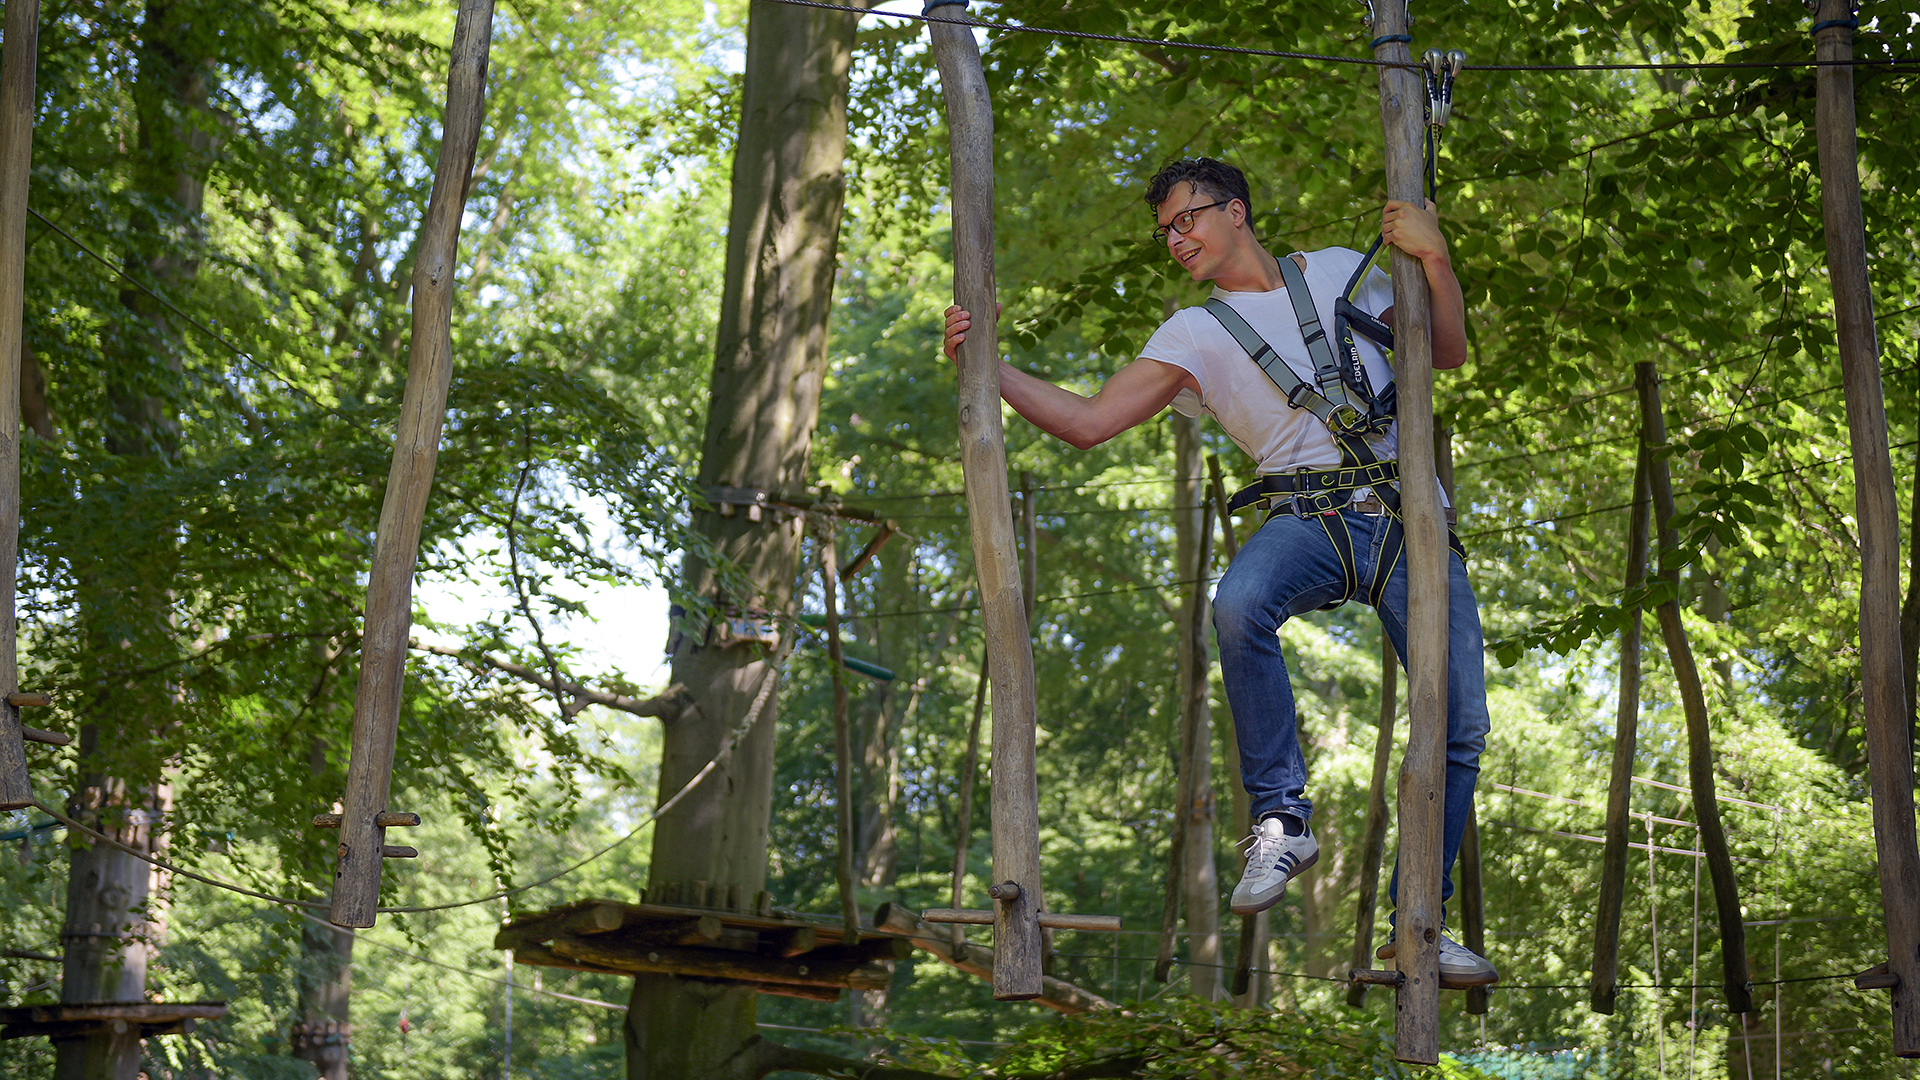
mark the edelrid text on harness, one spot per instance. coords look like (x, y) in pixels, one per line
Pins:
(1343, 396)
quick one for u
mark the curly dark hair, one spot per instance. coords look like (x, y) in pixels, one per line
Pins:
(1216, 178)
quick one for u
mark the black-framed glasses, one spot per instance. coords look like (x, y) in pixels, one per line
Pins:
(1182, 222)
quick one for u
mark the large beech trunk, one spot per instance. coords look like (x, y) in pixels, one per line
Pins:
(788, 187)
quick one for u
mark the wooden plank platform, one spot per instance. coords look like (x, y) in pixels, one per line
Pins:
(777, 952)
(75, 1019)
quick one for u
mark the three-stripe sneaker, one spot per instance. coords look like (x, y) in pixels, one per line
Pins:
(1273, 859)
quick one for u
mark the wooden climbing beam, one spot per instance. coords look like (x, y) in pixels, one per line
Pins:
(1422, 774)
(17, 63)
(1015, 797)
(1888, 715)
(416, 448)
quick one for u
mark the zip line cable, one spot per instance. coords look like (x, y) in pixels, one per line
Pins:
(713, 764)
(1241, 50)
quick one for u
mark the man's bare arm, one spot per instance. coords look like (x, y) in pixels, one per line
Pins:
(1134, 395)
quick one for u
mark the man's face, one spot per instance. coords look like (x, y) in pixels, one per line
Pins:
(1206, 243)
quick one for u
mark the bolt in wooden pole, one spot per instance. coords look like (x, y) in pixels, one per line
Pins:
(423, 412)
(16, 159)
(1613, 859)
(1423, 772)
(1693, 701)
(1888, 714)
(983, 460)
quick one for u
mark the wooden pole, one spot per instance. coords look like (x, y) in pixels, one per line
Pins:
(1888, 715)
(1693, 700)
(1218, 486)
(1030, 593)
(842, 732)
(1472, 898)
(963, 838)
(1423, 772)
(423, 411)
(1191, 790)
(1472, 895)
(1613, 860)
(983, 460)
(17, 64)
(1374, 845)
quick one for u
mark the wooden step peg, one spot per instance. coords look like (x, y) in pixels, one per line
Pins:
(27, 699)
(391, 851)
(48, 738)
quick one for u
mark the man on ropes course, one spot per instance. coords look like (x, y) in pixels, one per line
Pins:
(1259, 357)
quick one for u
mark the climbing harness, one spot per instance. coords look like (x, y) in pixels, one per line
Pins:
(1341, 394)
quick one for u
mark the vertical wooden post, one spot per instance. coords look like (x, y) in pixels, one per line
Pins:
(1693, 700)
(1030, 593)
(1249, 985)
(1374, 845)
(963, 831)
(1423, 772)
(1189, 789)
(17, 64)
(416, 448)
(1888, 714)
(983, 460)
(1472, 895)
(1613, 860)
(842, 730)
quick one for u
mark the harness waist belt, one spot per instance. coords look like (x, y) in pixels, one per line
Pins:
(1322, 484)
(1370, 507)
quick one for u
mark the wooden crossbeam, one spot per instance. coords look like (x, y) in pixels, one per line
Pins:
(1051, 920)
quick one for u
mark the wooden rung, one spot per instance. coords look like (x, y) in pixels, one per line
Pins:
(394, 851)
(386, 819)
(957, 915)
(1880, 977)
(1375, 978)
(49, 738)
(1051, 920)
(27, 699)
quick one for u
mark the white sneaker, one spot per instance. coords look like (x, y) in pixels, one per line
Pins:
(1460, 967)
(1273, 859)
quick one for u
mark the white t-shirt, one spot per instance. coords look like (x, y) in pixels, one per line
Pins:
(1240, 396)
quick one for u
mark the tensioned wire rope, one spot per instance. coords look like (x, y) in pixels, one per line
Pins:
(1278, 54)
(765, 692)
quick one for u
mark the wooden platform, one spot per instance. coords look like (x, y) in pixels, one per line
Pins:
(70, 1020)
(776, 952)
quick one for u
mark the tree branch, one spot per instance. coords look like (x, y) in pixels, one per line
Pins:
(670, 704)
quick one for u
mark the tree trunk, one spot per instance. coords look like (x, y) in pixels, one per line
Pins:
(1200, 880)
(112, 923)
(788, 187)
(321, 1035)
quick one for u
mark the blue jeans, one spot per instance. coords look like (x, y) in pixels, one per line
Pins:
(1288, 568)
